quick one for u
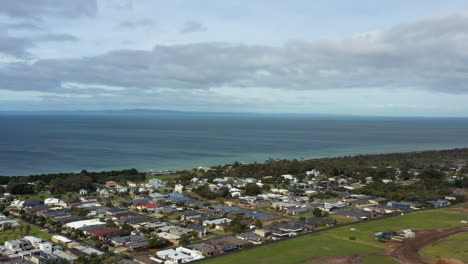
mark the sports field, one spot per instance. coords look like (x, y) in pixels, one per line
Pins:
(338, 242)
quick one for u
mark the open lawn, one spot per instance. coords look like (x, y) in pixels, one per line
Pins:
(337, 241)
(378, 260)
(455, 246)
(14, 234)
(8, 235)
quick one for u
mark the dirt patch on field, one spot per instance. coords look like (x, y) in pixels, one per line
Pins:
(407, 252)
(446, 261)
(354, 259)
(459, 209)
(391, 244)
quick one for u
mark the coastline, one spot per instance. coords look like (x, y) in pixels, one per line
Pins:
(259, 162)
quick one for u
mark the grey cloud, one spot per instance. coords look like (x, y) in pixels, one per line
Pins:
(37, 9)
(136, 24)
(429, 54)
(191, 26)
(23, 26)
(15, 46)
(58, 38)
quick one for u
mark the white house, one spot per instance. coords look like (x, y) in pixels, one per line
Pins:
(55, 201)
(173, 256)
(179, 188)
(216, 221)
(17, 204)
(156, 183)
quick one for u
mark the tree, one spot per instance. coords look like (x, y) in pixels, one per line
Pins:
(431, 179)
(26, 229)
(252, 189)
(158, 242)
(258, 224)
(127, 227)
(39, 186)
(237, 229)
(317, 212)
(184, 240)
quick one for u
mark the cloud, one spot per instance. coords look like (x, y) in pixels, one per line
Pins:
(136, 24)
(427, 55)
(23, 26)
(58, 38)
(191, 26)
(72, 85)
(13, 45)
(17, 46)
(37, 9)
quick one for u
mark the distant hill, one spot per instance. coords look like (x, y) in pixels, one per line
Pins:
(162, 113)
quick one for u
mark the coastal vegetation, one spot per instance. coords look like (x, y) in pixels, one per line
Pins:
(431, 185)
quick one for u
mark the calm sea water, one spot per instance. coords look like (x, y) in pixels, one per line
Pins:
(47, 144)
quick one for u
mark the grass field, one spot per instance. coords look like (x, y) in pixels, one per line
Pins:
(14, 234)
(378, 260)
(455, 246)
(337, 241)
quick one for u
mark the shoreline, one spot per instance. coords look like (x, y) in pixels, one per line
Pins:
(147, 171)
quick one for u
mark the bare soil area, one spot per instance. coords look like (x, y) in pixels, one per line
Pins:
(407, 252)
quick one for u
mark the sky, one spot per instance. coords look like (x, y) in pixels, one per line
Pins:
(363, 57)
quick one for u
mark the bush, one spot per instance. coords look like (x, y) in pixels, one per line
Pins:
(352, 238)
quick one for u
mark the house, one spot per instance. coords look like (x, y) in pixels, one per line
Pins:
(6, 223)
(356, 214)
(291, 228)
(179, 188)
(190, 214)
(123, 241)
(173, 256)
(18, 245)
(137, 245)
(103, 193)
(157, 196)
(83, 192)
(439, 203)
(55, 202)
(227, 243)
(251, 237)
(149, 206)
(262, 232)
(402, 206)
(156, 183)
(268, 218)
(199, 228)
(17, 204)
(316, 222)
(111, 184)
(32, 203)
(174, 239)
(216, 222)
(331, 206)
(61, 240)
(204, 249)
(195, 254)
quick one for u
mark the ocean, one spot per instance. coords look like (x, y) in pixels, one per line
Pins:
(35, 144)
